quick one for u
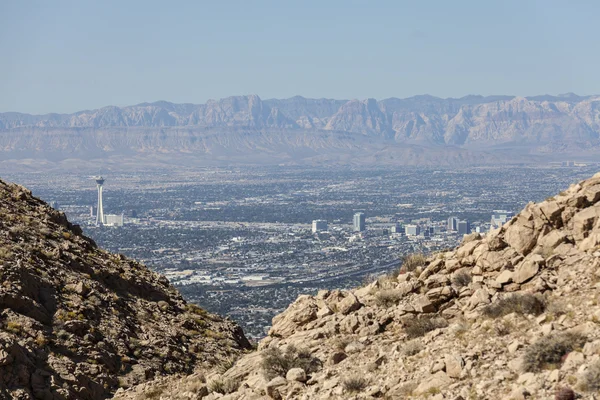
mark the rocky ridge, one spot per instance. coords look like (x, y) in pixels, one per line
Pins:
(77, 322)
(512, 315)
(310, 128)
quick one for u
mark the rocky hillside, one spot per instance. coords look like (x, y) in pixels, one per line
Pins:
(304, 128)
(512, 315)
(77, 322)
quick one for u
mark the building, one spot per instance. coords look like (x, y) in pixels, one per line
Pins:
(113, 220)
(359, 222)
(397, 228)
(500, 217)
(464, 227)
(453, 224)
(412, 230)
(99, 208)
(319, 225)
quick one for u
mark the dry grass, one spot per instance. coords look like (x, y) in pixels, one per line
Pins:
(418, 327)
(277, 363)
(388, 297)
(521, 303)
(224, 385)
(590, 381)
(355, 384)
(548, 352)
(461, 279)
(413, 261)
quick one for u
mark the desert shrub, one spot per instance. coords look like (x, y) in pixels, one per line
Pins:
(224, 385)
(340, 342)
(225, 365)
(388, 297)
(355, 384)
(14, 327)
(418, 327)
(549, 351)
(151, 394)
(413, 261)
(412, 348)
(277, 363)
(521, 303)
(590, 381)
(564, 393)
(461, 279)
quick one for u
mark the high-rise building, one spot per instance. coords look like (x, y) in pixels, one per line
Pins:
(359, 222)
(500, 217)
(99, 209)
(412, 230)
(464, 227)
(114, 220)
(397, 228)
(319, 225)
(453, 224)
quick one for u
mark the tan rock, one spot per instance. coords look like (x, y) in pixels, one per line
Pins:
(438, 380)
(296, 374)
(454, 365)
(504, 277)
(525, 271)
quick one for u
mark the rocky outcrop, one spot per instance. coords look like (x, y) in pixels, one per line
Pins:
(77, 322)
(511, 315)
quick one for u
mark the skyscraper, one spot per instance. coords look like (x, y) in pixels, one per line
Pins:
(464, 227)
(452, 224)
(359, 222)
(99, 209)
(319, 225)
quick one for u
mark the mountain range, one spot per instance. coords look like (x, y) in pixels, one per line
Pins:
(417, 130)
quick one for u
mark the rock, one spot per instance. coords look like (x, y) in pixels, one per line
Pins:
(525, 271)
(349, 304)
(337, 357)
(438, 381)
(273, 386)
(504, 277)
(423, 305)
(296, 374)
(454, 365)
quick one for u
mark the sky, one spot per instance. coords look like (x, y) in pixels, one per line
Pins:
(66, 56)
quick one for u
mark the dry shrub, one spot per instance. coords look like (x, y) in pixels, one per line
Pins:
(388, 297)
(590, 381)
(413, 261)
(224, 385)
(564, 393)
(461, 279)
(418, 327)
(277, 363)
(355, 384)
(520, 303)
(549, 351)
(412, 348)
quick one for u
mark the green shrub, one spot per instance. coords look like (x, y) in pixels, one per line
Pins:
(277, 363)
(355, 384)
(549, 351)
(418, 327)
(520, 303)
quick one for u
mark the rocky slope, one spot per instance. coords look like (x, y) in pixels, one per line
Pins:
(77, 322)
(308, 128)
(512, 315)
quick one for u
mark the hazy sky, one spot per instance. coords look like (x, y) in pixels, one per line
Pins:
(64, 56)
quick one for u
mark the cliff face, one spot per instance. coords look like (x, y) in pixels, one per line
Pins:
(512, 315)
(77, 322)
(542, 124)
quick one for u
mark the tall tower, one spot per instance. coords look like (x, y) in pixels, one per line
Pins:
(99, 209)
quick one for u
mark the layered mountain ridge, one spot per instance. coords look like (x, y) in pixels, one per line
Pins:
(540, 124)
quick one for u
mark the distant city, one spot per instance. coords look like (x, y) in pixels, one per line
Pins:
(245, 243)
